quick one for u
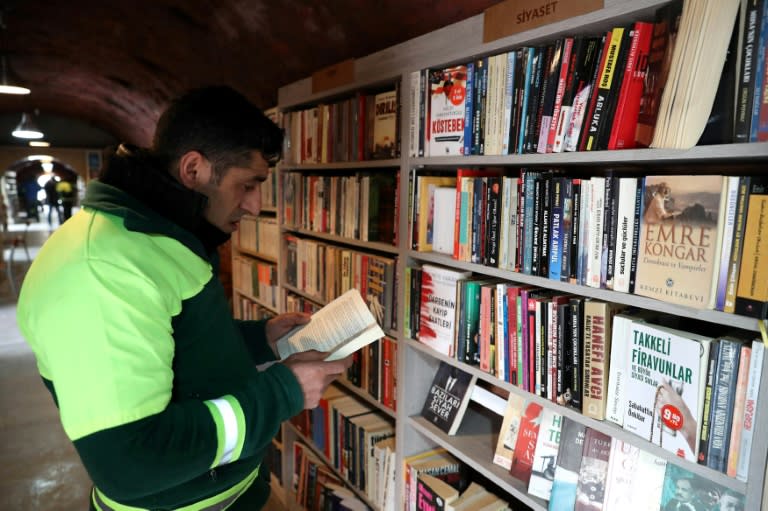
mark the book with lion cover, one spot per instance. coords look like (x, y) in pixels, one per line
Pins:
(681, 230)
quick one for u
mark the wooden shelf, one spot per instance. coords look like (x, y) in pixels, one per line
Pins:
(368, 245)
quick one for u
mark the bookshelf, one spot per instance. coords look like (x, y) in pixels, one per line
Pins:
(455, 44)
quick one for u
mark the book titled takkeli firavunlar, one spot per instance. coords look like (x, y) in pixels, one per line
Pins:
(665, 386)
(448, 397)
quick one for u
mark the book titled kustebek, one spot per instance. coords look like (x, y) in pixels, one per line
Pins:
(340, 328)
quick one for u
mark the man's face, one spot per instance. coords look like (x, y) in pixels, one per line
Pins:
(683, 490)
(729, 503)
(237, 193)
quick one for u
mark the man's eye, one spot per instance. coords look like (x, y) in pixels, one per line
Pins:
(249, 187)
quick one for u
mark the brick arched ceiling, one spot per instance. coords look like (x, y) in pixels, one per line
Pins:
(115, 63)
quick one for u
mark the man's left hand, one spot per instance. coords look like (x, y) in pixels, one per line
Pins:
(282, 324)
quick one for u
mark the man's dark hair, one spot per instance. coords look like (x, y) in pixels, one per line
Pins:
(221, 124)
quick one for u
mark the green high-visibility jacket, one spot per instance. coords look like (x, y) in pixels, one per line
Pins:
(154, 379)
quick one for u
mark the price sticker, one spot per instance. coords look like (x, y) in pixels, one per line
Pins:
(671, 417)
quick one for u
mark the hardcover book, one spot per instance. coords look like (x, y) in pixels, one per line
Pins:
(384, 125)
(666, 373)
(545, 454)
(684, 489)
(510, 426)
(448, 397)
(680, 237)
(447, 97)
(522, 460)
(569, 454)
(590, 489)
(438, 307)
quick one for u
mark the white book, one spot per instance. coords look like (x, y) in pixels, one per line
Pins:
(413, 118)
(438, 307)
(753, 388)
(666, 375)
(596, 214)
(625, 228)
(584, 228)
(545, 454)
(340, 328)
(509, 87)
(501, 329)
(732, 199)
(443, 221)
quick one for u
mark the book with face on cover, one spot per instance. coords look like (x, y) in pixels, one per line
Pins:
(340, 328)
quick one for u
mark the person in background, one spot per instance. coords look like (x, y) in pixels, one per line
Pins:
(29, 190)
(156, 383)
(66, 193)
(52, 199)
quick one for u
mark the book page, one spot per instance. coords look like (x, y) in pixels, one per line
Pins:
(341, 327)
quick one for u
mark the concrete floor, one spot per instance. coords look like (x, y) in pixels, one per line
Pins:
(39, 468)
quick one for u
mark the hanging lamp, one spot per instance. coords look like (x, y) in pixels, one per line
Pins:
(27, 128)
(8, 83)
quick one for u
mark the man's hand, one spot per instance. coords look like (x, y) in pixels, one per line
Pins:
(281, 325)
(314, 375)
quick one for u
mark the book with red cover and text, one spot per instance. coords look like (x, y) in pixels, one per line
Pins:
(447, 97)
(522, 460)
(438, 307)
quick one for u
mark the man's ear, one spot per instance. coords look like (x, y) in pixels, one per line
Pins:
(194, 170)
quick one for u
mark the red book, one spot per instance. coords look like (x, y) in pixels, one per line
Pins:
(389, 372)
(460, 173)
(522, 460)
(628, 107)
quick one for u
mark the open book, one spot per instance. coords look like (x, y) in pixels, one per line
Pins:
(341, 327)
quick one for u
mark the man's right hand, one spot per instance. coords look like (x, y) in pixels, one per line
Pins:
(314, 375)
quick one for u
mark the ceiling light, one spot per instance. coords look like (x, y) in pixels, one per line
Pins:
(40, 157)
(9, 85)
(47, 166)
(39, 143)
(27, 128)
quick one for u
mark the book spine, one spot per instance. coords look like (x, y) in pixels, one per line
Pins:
(469, 109)
(746, 87)
(578, 340)
(556, 242)
(722, 404)
(752, 292)
(753, 387)
(737, 419)
(734, 261)
(565, 71)
(596, 331)
(589, 128)
(706, 416)
(759, 75)
(725, 249)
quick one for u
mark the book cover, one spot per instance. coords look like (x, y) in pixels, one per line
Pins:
(598, 319)
(438, 307)
(650, 470)
(433, 494)
(625, 227)
(706, 413)
(522, 460)
(665, 384)
(569, 454)
(448, 397)
(384, 125)
(447, 97)
(590, 489)
(748, 423)
(667, 21)
(341, 328)
(723, 399)
(685, 490)
(680, 238)
(622, 469)
(510, 426)
(443, 222)
(734, 261)
(752, 292)
(545, 454)
(737, 417)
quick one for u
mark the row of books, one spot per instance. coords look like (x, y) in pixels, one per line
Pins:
(325, 271)
(362, 127)
(602, 358)
(316, 487)
(586, 93)
(374, 370)
(259, 235)
(346, 431)
(247, 309)
(256, 279)
(686, 239)
(563, 461)
(358, 206)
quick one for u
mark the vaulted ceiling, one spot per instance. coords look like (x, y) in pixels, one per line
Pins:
(111, 65)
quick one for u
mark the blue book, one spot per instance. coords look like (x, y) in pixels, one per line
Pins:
(556, 244)
(469, 106)
(758, 97)
(529, 55)
(569, 454)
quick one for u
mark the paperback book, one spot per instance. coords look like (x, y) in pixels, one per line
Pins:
(340, 328)
(448, 397)
(438, 307)
(447, 97)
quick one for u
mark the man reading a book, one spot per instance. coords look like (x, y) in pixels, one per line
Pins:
(156, 383)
